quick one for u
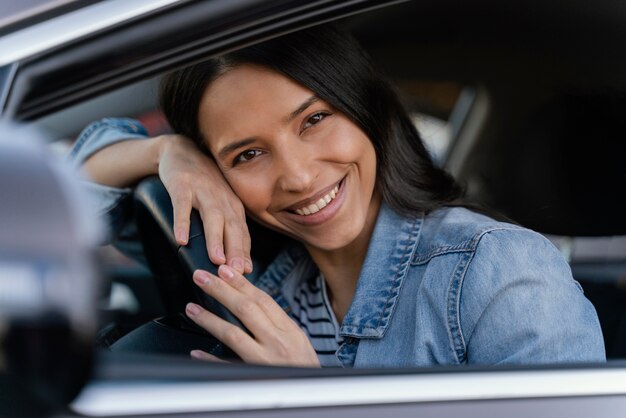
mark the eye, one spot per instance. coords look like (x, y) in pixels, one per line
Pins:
(246, 156)
(314, 119)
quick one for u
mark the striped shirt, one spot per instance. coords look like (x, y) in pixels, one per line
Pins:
(311, 309)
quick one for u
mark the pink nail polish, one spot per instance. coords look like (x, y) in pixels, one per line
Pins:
(181, 236)
(201, 278)
(192, 309)
(226, 271)
(197, 354)
(237, 264)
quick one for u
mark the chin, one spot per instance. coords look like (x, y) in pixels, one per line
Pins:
(326, 243)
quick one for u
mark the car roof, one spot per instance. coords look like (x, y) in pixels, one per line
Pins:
(16, 15)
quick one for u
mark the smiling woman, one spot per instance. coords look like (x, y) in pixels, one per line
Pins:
(390, 267)
(299, 152)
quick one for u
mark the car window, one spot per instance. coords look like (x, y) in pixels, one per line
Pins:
(437, 108)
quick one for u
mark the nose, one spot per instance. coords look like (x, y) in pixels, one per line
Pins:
(295, 167)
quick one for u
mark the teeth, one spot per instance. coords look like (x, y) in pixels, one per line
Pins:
(319, 205)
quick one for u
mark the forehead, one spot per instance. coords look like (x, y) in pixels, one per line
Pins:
(245, 101)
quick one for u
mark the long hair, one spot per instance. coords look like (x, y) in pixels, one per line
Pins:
(329, 62)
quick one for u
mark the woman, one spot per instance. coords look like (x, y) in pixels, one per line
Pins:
(392, 270)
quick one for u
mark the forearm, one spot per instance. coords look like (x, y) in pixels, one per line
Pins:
(117, 153)
(124, 163)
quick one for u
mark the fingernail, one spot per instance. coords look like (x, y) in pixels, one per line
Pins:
(219, 253)
(181, 236)
(201, 277)
(192, 309)
(237, 264)
(226, 271)
(197, 354)
(249, 265)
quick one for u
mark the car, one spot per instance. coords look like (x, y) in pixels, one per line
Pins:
(523, 103)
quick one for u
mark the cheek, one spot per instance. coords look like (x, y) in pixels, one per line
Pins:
(346, 143)
(253, 191)
(349, 145)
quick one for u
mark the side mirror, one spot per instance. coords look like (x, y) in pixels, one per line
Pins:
(48, 278)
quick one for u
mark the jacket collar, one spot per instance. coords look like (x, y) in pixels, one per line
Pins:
(386, 265)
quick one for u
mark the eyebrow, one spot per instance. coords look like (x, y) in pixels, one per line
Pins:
(244, 142)
(235, 145)
(308, 102)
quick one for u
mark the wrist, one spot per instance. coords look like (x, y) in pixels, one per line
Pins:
(160, 144)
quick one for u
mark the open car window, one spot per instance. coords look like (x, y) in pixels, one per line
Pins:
(441, 110)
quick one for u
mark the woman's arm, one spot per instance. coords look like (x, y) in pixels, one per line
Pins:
(116, 153)
(124, 163)
(520, 304)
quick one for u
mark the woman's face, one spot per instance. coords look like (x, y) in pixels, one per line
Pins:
(298, 165)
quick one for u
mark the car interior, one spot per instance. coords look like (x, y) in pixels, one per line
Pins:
(525, 110)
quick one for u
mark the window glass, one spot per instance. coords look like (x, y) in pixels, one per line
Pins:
(431, 105)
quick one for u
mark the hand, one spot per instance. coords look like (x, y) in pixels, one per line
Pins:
(193, 180)
(276, 339)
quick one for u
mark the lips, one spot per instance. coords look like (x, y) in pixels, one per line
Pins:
(310, 204)
(320, 207)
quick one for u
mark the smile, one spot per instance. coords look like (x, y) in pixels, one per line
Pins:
(320, 208)
(319, 205)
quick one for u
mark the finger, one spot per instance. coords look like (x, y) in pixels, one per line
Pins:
(213, 224)
(262, 300)
(231, 335)
(247, 245)
(182, 212)
(204, 356)
(241, 304)
(233, 241)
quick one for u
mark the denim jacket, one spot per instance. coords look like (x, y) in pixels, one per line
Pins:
(449, 287)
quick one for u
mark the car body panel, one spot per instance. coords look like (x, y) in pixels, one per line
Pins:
(137, 398)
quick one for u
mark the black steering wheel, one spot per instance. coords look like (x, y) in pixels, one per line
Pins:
(172, 266)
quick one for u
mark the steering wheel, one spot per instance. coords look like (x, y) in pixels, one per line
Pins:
(172, 266)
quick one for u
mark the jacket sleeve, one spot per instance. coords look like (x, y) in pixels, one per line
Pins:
(112, 203)
(521, 305)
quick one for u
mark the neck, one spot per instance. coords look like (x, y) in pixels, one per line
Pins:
(341, 267)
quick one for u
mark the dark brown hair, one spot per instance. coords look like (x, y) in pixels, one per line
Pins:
(329, 62)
